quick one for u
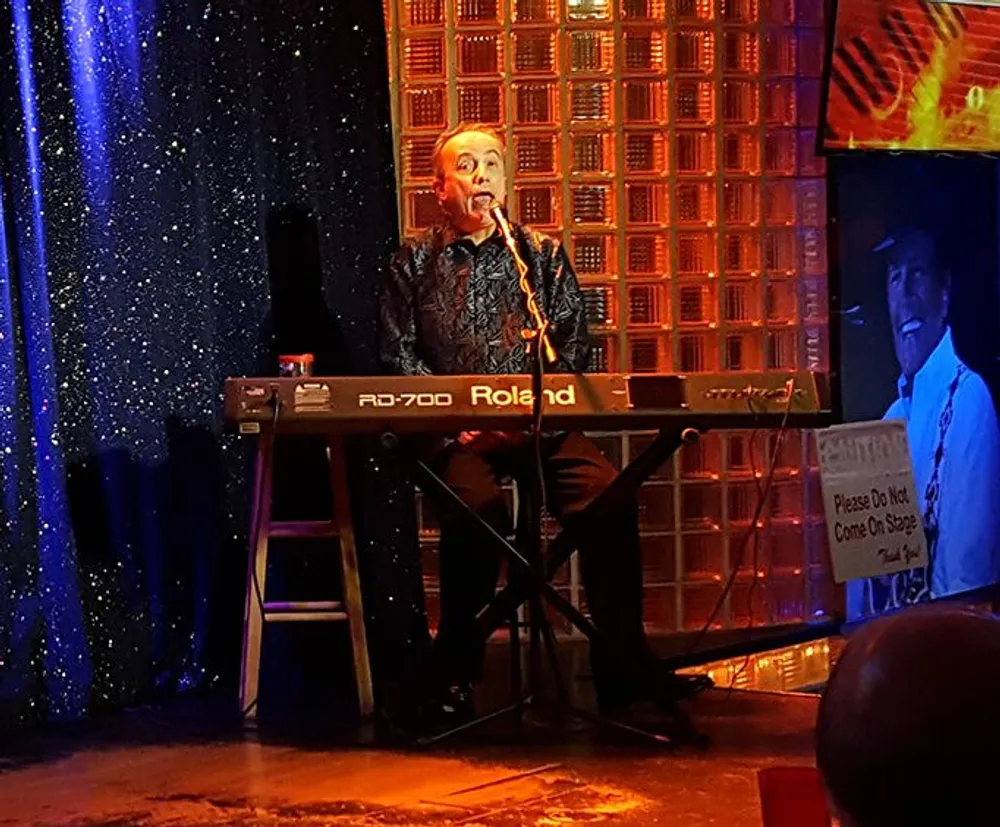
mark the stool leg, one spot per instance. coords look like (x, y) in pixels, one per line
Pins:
(253, 613)
(352, 579)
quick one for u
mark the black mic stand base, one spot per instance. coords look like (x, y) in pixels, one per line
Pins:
(529, 572)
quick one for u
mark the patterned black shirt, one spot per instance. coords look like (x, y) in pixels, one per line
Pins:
(450, 307)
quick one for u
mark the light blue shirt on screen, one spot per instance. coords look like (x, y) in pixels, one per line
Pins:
(967, 553)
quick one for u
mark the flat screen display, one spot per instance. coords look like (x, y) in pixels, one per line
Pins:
(913, 75)
(916, 246)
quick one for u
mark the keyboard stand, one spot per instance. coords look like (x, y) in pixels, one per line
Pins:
(533, 583)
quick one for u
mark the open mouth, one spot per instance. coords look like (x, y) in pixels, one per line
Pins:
(911, 327)
(482, 200)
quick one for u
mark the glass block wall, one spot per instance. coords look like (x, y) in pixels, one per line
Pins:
(669, 144)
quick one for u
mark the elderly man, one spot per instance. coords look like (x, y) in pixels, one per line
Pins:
(451, 304)
(954, 439)
(908, 727)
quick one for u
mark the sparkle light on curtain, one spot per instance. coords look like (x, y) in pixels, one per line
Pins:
(145, 146)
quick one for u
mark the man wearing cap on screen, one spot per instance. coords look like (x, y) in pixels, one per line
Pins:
(954, 437)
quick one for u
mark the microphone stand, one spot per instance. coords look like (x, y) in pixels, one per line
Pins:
(541, 352)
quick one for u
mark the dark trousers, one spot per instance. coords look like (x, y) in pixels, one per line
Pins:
(575, 472)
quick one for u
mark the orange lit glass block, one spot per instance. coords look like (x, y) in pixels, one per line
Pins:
(656, 507)
(780, 252)
(425, 108)
(649, 353)
(535, 103)
(694, 102)
(741, 303)
(588, 9)
(653, 11)
(535, 52)
(645, 255)
(647, 305)
(694, 151)
(535, 154)
(696, 303)
(646, 205)
(480, 54)
(782, 302)
(593, 255)
(591, 52)
(417, 157)
(644, 50)
(782, 350)
(535, 11)
(603, 354)
(741, 200)
(424, 12)
(477, 11)
(600, 303)
(779, 103)
(740, 52)
(645, 152)
(538, 205)
(742, 253)
(780, 52)
(591, 153)
(422, 210)
(702, 558)
(697, 352)
(742, 351)
(694, 11)
(659, 610)
(481, 103)
(696, 253)
(590, 101)
(740, 101)
(645, 101)
(741, 152)
(740, 11)
(424, 58)
(780, 152)
(659, 559)
(592, 204)
(780, 202)
(702, 460)
(694, 50)
(695, 202)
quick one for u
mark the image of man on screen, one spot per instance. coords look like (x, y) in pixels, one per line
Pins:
(953, 433)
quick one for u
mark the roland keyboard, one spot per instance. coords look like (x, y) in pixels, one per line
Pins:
(593, 402)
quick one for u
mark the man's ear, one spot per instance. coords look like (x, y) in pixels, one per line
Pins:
(439, 188)
(946, 293)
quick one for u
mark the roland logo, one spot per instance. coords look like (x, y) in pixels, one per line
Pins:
(514, 395)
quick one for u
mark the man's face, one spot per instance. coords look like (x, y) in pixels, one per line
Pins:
(918, 306)
(472, 178)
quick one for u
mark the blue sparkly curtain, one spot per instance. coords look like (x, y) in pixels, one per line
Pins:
(146, 146)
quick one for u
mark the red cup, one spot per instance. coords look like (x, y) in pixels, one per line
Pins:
(300, 364)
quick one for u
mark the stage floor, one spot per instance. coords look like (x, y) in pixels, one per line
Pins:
(179, 766)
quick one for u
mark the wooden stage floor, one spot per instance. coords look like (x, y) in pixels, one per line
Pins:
(180, 766)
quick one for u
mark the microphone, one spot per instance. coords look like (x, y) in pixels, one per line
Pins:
(496, 213)
(541, 325)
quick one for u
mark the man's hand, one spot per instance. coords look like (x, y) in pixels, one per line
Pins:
(491, 440)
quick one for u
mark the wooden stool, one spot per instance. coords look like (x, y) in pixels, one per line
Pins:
(259, 611)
